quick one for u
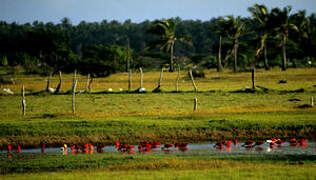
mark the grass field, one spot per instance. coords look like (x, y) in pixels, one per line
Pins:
(105, 166)
(225, 111)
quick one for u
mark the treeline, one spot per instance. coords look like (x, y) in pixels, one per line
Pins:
(268, 38)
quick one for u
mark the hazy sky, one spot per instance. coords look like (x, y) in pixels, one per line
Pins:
(22, 11)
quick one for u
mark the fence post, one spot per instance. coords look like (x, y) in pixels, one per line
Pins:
(23, 101)
(177, 80)
(253, 78)
(89, 81)
(74, 85)
(130, 80)
(312, 101)
(191, 75)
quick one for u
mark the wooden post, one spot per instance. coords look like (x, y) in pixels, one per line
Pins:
(130, 80)
(312, 101)
(48, 81)
(89, 81)
(23, 101)
(160, 79)
(74, 85)
(59, 84)
(191, 75)
(141, 77)
(177, 80)
(195, 104)
(253, 78)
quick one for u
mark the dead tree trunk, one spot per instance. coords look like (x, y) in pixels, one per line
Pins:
(195, 104)
(23, 101)
(159, 82)
(193, 83)
(253, 78)
(130, 80)
(177, 80)
(141, 77)
(89, 81)
(59, 84)
(48, 82)
(74, 85)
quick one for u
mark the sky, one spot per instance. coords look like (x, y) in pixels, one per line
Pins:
(23, 11)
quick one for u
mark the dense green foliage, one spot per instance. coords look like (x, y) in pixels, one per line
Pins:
(43, 48)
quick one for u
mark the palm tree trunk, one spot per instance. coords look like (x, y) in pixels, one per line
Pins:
(127, 56)
(284, 55)
(171, 57)
(220, 67)
(266, 64)
(235, 55)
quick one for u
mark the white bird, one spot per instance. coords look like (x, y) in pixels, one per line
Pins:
(120, 89)
(81, 91)
(110, 89)
(52, 90)
(8, 91)
(142, 90)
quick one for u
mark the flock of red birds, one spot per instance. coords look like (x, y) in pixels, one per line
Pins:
(272, 143)
(149, 146)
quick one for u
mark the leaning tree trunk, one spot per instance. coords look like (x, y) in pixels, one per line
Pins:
(171, 57)
(284, 56)
(266, 64)
(219, 58)
(235, 55)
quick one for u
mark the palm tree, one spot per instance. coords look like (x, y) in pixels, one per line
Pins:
(220, 31)
(280, 19)
(260, 14)
(165, 29)
(234, 28)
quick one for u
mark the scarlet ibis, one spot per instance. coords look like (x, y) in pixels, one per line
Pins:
(236, 141)
(167, 146)
(19, 149)
(181, 145)
(9, 148)
(219, 145)
(43, 147)
(140, 147)
(228, 143)
(303, 141)
(248, 143)
(293, 141)
(183, 149)
(117, 144)
(100, 148)
(130, 147)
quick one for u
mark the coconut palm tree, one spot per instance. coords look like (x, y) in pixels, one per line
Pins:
(280, 19)
(220, 31)
(261, 15)
(165, 29)
(234, 28)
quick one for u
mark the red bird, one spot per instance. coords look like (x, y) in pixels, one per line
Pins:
(219, 145)
(181, 145)
(19, 149)
(228, 143)
(235, 141)
(9, 148)
(167, 146)
(303, 141)
(293, 141)
(248, 143)
(117, 144)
